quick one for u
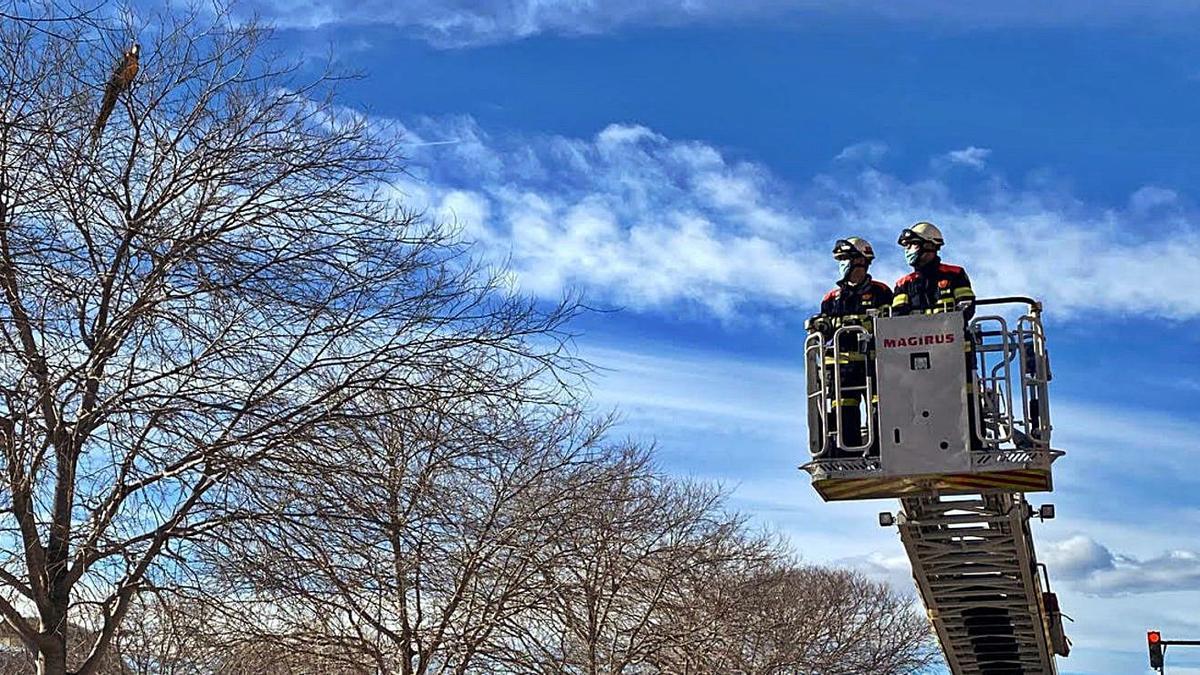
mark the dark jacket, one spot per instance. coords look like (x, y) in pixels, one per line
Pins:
(850, 303)
(933, 288)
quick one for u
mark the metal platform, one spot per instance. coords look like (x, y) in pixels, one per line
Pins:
(863, 477)
(974, 565)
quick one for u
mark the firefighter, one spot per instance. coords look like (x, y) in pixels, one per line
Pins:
(848, 304)
(933, 286)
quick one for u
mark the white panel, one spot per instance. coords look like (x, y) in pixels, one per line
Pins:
(921, 372)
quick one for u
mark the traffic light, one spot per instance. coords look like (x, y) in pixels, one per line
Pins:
(1154, 642)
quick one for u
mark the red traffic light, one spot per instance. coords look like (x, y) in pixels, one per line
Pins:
(1155, 644)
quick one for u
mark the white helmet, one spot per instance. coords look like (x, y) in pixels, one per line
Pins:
(922, 233)
(851, 247)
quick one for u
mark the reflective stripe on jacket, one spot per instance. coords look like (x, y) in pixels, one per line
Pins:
(848, 304)
(933, 288)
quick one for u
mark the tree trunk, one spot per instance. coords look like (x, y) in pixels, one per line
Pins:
(52, 641)
(52, 652)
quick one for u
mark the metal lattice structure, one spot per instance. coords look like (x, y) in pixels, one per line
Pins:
(974, 564)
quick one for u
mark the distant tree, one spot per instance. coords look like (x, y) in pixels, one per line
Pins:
(429, 535)
(781, 618)
(213, 283)
(490, 539)
(639, 541)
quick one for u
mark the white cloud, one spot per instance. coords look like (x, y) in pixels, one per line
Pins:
(1095, 570)
(892, 567)
(1077, 557)
(1150, 197)
(970, 156)
(630, 216)
(706, 388)
(866, 152)
(456, 23)
(1171, 439)
(619, 134)
(658, 224)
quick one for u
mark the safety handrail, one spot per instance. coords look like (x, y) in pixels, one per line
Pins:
(1010, 300)
(867, 389)
(814, 355)
(1035, 379)
(991, 382)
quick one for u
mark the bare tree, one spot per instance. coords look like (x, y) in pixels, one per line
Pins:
(482, 539)
(780, 618)
(211, 285)
(657, 576)
(637, 537)
(428, 536)
(487, 535)
(165, 633)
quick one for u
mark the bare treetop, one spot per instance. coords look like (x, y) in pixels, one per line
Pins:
(211, 281)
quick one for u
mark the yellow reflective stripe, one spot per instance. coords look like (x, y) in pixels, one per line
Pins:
(845, 359)
(964, 292)
(844, 401)
(900, 299)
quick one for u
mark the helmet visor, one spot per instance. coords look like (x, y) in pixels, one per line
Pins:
(844, 250)
(908, 238)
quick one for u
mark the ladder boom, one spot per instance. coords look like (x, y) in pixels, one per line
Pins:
(974, 565)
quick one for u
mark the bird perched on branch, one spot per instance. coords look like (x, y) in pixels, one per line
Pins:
(122, 77)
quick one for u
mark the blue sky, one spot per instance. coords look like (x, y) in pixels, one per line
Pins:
(691, 164)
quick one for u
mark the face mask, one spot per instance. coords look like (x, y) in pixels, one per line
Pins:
(844, 267)
(911, 256)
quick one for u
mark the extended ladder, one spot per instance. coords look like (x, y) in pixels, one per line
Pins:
(974, 565)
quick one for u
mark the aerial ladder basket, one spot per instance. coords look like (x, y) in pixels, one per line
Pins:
(948, 407)
(953, 418)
